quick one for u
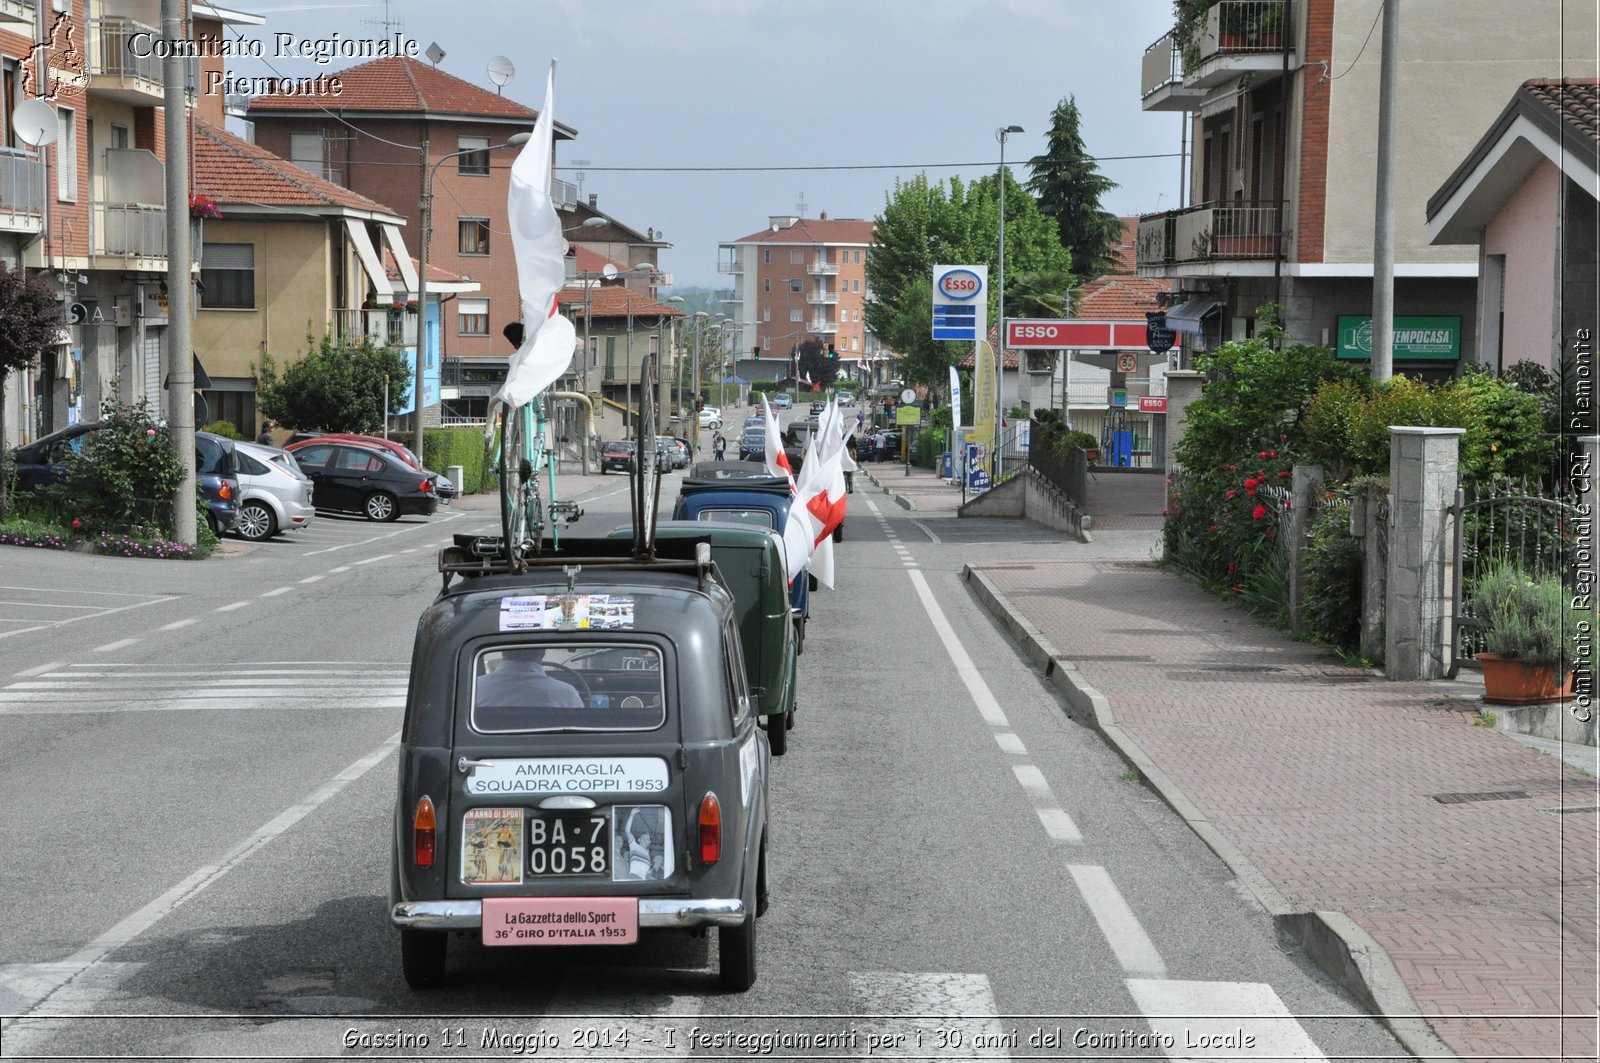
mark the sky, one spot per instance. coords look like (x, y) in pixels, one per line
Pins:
(755, 90)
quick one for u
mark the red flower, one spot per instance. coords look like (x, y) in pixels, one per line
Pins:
(1259, 512)
(1283, 475)
(1233, 468)
(1213, 527)
(1272, 453)
(1238, 588)
(1230, 494)
(1261, 454)
(76, 523)
(1252, 483)
(1272, 533)
(1233, 566)
(1251, 492)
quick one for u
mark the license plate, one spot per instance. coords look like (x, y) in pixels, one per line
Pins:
(560, 920)
(574, 843)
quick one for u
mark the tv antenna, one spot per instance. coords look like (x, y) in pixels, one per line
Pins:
(501, 71)
(390, 26)
(580, 175)
(800, 207)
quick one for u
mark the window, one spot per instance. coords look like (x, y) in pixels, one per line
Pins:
(766, 313)
(474, 315)
(794, 284)
(250, 466)
(306, 151)
(855, 344)
(857, 258)
(796, 256)
(766, 343)
(766, 285)
(314, 457)
(478, 161)
(357, 459)
(474, 236)
(586, 686)
(67, 155)
(228, 273)
(119, 137)
(855, 284)
(766, 256)
(795, 313)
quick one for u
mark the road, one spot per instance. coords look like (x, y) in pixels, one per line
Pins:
(197, 766)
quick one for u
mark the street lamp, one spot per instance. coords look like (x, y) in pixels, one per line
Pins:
(515, 140)
(588, 223)
(1000, 355)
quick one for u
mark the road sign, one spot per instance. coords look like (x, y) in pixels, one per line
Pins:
(1047, 334)
(904, 415)
(1147, 404)
(1127, 362)
(960, 297)
(1119, 398)
(908, 395)
(1157, 334)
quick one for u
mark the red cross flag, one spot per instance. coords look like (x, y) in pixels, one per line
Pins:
(777, 460)
(819, 503)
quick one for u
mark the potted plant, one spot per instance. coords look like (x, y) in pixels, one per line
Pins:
(1527, 657)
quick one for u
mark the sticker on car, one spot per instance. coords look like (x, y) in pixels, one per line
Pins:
(560, 921)
(569, 775)
(491, 847)
(566, 612)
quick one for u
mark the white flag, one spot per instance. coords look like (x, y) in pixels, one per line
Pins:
(777, 460)
(819, 503)
(548, 339)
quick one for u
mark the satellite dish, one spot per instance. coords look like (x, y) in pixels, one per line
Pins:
(501, 71)
(435, 53)
(609, 270)
(35, 123)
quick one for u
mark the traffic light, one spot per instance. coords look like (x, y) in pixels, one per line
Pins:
(832, 353)
(755, 352)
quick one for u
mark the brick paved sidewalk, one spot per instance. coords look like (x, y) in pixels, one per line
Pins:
(1327, 779)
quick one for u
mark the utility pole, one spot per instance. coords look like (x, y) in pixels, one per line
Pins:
(1383, 230)
(180, 356)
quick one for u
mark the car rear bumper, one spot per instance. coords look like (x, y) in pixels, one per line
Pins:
(654, 912)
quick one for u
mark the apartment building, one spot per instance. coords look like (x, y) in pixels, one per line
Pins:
(398, 122)
(1280, 99)
(801, 279)
(88, 209)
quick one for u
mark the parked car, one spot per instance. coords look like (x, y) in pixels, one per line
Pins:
(817, 408)
(44, 461)
(782, 402)
(711, 417)
(755, 420)
(667, 451)
(616, 456)
(274, 494)
(685, 452)
(845, 398)
(352, 478)
(758, 501)
(398, 449)
(580, 761)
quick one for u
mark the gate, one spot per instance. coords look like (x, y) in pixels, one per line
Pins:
(1505, 522)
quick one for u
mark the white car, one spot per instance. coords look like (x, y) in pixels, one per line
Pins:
(710, 417)
(274, 495)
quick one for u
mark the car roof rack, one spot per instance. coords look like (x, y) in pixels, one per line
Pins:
(764, 482)
(471, 556)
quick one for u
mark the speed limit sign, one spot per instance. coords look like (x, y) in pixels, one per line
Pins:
(1127, 362)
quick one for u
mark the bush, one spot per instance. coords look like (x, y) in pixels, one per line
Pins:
(24, 532)
(1526, 617)
(1222, 524)
(927, 445)
(225, 429)
(444, 447)
(125, 478)
(1332, 564)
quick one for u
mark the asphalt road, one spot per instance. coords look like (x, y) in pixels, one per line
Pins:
(197, 772)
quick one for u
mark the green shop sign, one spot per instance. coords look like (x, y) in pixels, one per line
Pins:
(1416, 339)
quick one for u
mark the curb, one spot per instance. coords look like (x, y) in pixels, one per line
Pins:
(901, 500)
(1340, 948)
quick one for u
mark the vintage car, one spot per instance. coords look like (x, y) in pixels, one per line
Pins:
(758, 501)
(580, 762)
(750, 563)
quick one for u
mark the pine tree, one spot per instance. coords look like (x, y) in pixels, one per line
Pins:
(1068, 185)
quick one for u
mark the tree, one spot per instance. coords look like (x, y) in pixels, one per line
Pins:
(32, 316)
(1069, 186)
(337, 387)
(924, 224)
(815, 363)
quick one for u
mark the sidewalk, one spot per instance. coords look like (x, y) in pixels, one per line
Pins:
(1422, 859)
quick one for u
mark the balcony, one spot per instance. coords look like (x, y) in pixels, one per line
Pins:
(382, 327)
(564, 194)
(22, 195)
(819, 268)
(822, 298)
(1207, 234)
(822, 326)
(115, 70)
(1161, 86)
(1238, 37)
(17, 11)
(729, 260)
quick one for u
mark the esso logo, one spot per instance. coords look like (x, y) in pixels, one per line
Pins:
(960, 284)
(1033, 332)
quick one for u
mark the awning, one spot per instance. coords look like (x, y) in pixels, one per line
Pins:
(368, 255)
(402, 259)
(1187, 316)
(734, 380)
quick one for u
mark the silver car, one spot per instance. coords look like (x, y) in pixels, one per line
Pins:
(274, 495)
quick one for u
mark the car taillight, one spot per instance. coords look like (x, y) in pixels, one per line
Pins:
(710, 829)
(224, 492)
(423, 833)
(426, 485)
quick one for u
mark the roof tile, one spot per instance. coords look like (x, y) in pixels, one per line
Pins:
(236, 172)
(403, 85)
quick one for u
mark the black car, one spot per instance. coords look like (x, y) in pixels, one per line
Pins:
(351, 478)
(616, 456)
(44, 461)
(753, 444)
(817, 408)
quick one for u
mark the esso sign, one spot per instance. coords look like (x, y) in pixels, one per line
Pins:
(1036, 332)
(960, 284)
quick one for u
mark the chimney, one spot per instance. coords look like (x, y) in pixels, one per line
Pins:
(822, 216)
(594, 200)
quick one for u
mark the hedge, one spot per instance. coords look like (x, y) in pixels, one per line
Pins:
(444, 447)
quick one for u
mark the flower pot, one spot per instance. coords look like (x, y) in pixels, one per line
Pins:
(1507, 681)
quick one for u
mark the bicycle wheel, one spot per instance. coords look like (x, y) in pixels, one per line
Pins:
(513, 517)
(647, 481)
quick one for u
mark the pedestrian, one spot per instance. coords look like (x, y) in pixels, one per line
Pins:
(719, 446)
(265, 438)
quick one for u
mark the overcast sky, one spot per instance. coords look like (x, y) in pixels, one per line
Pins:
(905, 85)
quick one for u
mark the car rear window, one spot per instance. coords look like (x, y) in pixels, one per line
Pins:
(760, 518)
(287, 461)
(213, 458)
(587, 686)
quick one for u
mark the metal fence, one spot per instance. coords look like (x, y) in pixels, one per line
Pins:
(1066, 469)
(21, 183)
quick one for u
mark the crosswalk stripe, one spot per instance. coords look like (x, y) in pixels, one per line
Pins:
(901, 1014)
(1255, 1024)
(132, 688)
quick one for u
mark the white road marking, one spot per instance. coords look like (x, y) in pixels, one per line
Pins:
(370, 560)
(86, 960)
(1009, 743)
(1059, 825)
(341, 568)
(1033, 781)
(313, 579)
(905, 1011)
(179, 625)
(402, 531)
(112, 646)
(1182, 1011)
(988, 707)
(276, 591)
(872, 506)
(40, 669)
(1131, 945)
(231, 607)
(48, 624)
(925, 530)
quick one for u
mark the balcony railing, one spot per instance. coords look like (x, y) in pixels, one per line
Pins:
(110, 55)
(133, 229)
(17, 11)
(564, 194)
(822, 325)
(1209, 234)
(729, 260)
(1161, 67)
(822, 269)
(823, 298)
(1240, 27)
(22, 191)
(382, 327)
